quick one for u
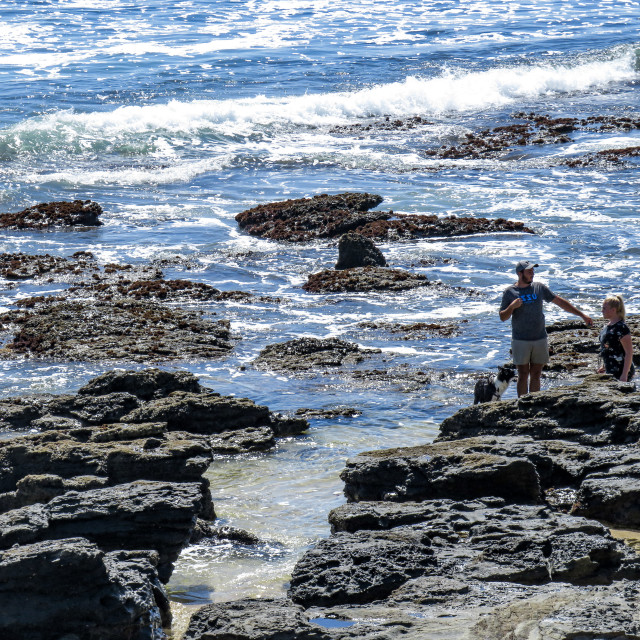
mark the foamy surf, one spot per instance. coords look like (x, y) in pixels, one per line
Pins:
(452, 91)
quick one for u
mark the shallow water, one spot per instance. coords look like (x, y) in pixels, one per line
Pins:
(176, 116)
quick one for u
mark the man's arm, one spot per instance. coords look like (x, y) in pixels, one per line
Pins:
(506, 313)
(565, 305)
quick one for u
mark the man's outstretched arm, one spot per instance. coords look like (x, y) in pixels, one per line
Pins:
(565, 305)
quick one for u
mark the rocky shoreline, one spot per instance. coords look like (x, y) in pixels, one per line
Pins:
(489, 532)
(99, 502)
(100, 497)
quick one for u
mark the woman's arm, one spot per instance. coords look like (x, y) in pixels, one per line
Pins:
(627, 345)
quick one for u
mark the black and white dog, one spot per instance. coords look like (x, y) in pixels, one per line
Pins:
(491, 389)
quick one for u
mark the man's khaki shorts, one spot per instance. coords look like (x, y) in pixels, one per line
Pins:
(530, 351)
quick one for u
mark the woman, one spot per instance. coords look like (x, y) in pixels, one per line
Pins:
(616, 349)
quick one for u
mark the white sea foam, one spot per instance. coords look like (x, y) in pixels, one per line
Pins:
(453, 90)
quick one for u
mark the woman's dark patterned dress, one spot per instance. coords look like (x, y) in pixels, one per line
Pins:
(611, 349)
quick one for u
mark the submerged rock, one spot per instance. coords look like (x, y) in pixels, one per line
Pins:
(20, 266)
(54, 214)
(303, 354)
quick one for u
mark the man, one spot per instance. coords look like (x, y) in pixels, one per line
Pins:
(522, 302)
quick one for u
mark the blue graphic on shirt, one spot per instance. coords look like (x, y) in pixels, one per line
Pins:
(528, 298)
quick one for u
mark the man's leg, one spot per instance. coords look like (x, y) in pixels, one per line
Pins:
(523, 378)
(535, 371)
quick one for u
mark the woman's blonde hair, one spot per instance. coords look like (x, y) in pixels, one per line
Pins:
(615, 301)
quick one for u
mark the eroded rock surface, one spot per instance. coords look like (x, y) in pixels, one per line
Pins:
(75, 590)
(304, 354)
(54, 214)
(330, 216)
(130, 331)
(355, 250)
(600, 411)
(477, 537)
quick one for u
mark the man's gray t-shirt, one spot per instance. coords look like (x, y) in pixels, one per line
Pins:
(527, 321)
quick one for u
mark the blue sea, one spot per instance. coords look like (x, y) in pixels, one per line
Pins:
(175, 116)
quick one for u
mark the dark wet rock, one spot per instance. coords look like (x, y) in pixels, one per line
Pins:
(403, 377)
(464, 469)
(360, 567)
(414, 226)
(611, 156)
(388, 124)
(71, 589)
(203, 413)
(54, 214)
(19, 266)
(323, 216)
(150, 289)
(331, 216)
(612, 497)
(35, 468)
(364, 279)
(265, 619)
(515, 543)
(329, 414)
(355, 250)
(418, 330)
(139, 515)
(204, 531)
(132, 331)
(600, 411)
(303, 354)
(146, 384)
(537, 129)
(144, 406)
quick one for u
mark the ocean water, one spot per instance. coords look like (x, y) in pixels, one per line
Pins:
(175, 116)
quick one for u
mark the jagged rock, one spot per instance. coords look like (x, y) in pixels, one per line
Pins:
(19, 266)
(365, 279)
(243, 440)
(115, 455)
(129, 331)
(57, 587)
(139, 515)
(265, 619)
(53, 214)
(600, 411)
(468, 469)
(303, 354)
(355, 250)
(204, 531)
(360, 567)
(513, 543)
(146, 384)
(330, 216)
(323, 216)
(611, 498)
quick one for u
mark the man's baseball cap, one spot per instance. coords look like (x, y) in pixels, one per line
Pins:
(525, 264)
